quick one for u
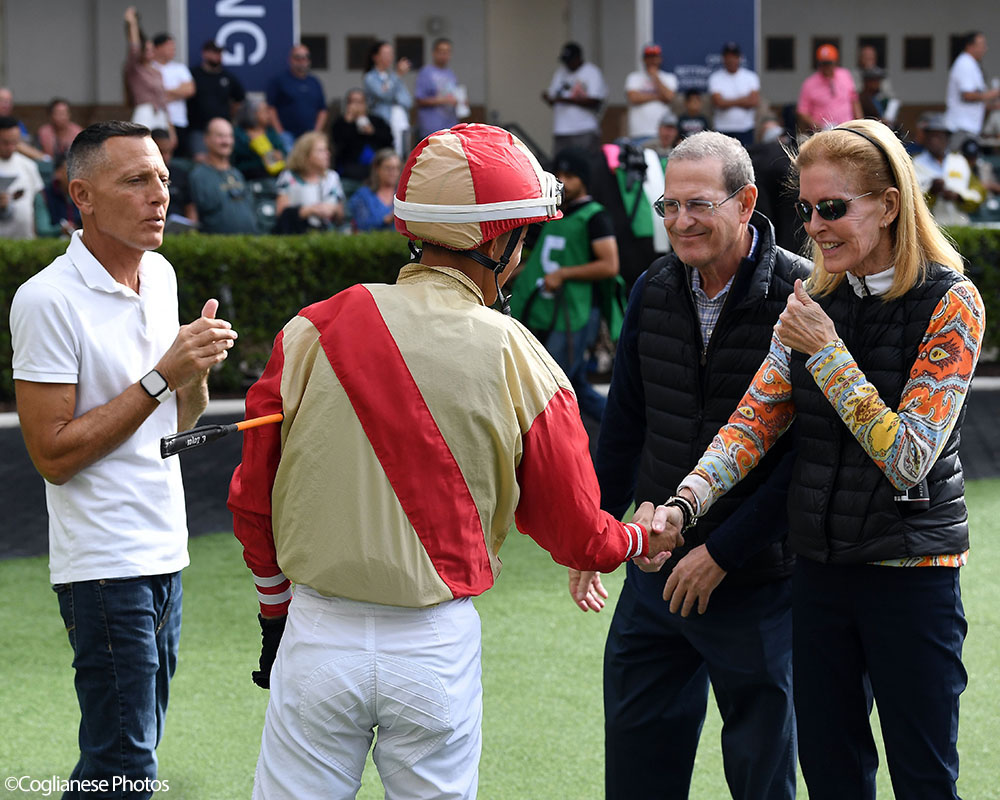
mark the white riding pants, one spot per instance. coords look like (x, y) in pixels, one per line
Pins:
(346, 667)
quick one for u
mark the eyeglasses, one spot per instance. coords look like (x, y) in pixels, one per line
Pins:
(827, 209)
(670, 209)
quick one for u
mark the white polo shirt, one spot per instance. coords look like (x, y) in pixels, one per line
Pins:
(124, 515)
(965, 76)
(174, 74)
(644, 118)
(731, 86)
(586, 81)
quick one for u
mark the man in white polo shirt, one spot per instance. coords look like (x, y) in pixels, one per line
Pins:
(967, 93)
(576, 94)
(735, 92)
(179, 83)
(102, 370)
(649, 92)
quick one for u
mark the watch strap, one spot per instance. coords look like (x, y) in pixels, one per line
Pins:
(156, 386)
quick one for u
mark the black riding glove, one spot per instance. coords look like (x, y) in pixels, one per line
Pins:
(271, 629)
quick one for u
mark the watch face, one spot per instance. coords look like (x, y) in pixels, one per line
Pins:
(154, 383)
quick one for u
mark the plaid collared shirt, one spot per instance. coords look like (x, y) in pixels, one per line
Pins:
(709, 308)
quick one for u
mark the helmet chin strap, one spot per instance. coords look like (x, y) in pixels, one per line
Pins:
(497, 267)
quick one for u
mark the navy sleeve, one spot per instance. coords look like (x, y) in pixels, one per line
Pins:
(623, 429)
(759, 520)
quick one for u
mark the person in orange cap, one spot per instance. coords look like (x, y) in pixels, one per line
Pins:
(828, 96)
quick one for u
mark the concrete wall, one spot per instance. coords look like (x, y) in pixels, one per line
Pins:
(896, 20)
(70, 48)
(505, 50)
(462, 21)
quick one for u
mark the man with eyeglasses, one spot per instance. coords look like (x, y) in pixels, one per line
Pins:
(220, 198)
(697, 328)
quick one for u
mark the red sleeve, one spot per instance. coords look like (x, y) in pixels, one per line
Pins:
(250, 488)
(560, 497)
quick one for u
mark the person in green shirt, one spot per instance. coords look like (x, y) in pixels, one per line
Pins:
(573, 268)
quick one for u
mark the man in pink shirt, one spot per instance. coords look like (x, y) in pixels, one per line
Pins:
(828, 96)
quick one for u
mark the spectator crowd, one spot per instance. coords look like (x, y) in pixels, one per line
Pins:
(232, 170)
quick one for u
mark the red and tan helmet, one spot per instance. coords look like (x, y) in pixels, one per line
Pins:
(469, 184)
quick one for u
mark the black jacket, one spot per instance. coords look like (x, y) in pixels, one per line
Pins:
(670, 395)
(841, 506)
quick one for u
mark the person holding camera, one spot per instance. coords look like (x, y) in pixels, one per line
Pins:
(576, 94)
(20, 182)
(355, 138)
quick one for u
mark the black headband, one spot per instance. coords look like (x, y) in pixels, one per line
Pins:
(878, 147)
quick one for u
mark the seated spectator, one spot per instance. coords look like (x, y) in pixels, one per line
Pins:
(7, 110)
(371, 205)
(984, 177)
(356, 137)
(945, 177)
(310, 197)
(61, 216)
(693, 120)
(667, 135)
(143, 81)
(56, 135)
(180, 195)
(220, 199)
(258, 151)
(20, 184)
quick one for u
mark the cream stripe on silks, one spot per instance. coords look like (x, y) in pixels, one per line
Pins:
(265, 583)
(628, 552)
(274, 599)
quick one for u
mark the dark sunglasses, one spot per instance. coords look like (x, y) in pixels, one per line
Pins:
(827, 209)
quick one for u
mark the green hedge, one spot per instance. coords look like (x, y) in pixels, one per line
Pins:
(262, 281)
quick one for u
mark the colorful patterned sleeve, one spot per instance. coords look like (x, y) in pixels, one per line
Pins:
(905, 443)
(764, 413)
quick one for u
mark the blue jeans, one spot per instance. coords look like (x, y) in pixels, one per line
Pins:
(657, 670)
(124, 635)
(569, 352)
(892, 634)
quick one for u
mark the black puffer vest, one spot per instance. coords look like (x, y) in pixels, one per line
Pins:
(841, 507)
(691, 391)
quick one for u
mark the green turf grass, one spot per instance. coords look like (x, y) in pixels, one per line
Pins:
(543, 736)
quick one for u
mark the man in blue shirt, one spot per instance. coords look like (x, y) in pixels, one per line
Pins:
(435, 91)
(297, 98)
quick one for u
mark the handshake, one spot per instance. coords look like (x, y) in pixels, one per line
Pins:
(666, 524)
(692, 579)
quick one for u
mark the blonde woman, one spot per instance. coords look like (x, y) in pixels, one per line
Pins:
(310, 196)
(873, 359)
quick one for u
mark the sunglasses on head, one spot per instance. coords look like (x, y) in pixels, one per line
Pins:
(827, 209)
